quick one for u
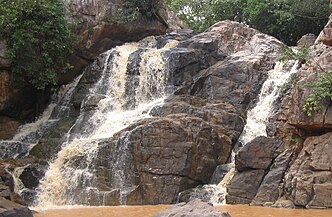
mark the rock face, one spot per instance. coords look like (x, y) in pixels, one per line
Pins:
(189, 147)
(98, 33)
(11, 209)
(102, 28)
(195, 130)
(306, 40)
(309, 180)
(296, 172)
(293, 104)
(194, 208)
(326, 35)
(215, 76)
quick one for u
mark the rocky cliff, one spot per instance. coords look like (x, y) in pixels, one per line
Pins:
(293, 166)
(209, 82)
(212, 77)
(97, 33)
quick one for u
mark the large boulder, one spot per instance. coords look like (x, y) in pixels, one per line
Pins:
(194, 208)
(257, 154)
(252, 179)
(11, 209)
(270, 188)
(166, 156)
(326, 35)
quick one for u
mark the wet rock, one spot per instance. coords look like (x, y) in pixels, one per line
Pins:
(270, 188)
(11, 209)
(220, 172)
(282, 203)
(8, 127)
(244, 186)
(13, 149)
(205, 193)
(257, 154)
(50, 143)
(4, 190)
(195, 208)
(165, 156)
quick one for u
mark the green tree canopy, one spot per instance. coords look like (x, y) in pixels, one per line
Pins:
(287, 20)
(38, 39)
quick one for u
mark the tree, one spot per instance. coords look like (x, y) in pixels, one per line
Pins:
(287, 20)
(38, 40)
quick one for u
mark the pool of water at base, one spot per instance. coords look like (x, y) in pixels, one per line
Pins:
(147, 211)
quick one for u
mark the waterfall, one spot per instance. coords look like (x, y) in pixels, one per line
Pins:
(257, 117)
(28, 135)
(123, 96)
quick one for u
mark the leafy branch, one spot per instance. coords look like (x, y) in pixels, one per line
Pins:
(320, 89)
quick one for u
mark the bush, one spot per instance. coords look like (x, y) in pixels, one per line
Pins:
(301, 55)
(286, 20)
(136, 9)
(320, 89)
(38, 40)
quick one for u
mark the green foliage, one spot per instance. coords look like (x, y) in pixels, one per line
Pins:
(287, 20)
(320, 89)
(135, 9)
(301, 55)
(38, 39)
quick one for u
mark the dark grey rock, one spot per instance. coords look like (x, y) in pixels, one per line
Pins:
(11, 209)
(270, 188)
(244, 185)
(257, 154)
(220, 172)
(204, 193)
(194, 208)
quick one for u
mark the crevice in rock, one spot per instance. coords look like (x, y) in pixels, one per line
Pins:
(177, 175)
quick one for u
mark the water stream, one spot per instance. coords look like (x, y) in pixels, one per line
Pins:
(29, 134)
(122, 98)
(257, 118)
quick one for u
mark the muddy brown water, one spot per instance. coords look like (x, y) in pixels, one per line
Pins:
(146, 211)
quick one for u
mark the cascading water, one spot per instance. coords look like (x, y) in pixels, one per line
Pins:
(257, 117)
(29, 134)
(122, 97)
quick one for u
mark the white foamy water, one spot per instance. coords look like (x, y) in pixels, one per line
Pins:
(257, 118)
(71, 177)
